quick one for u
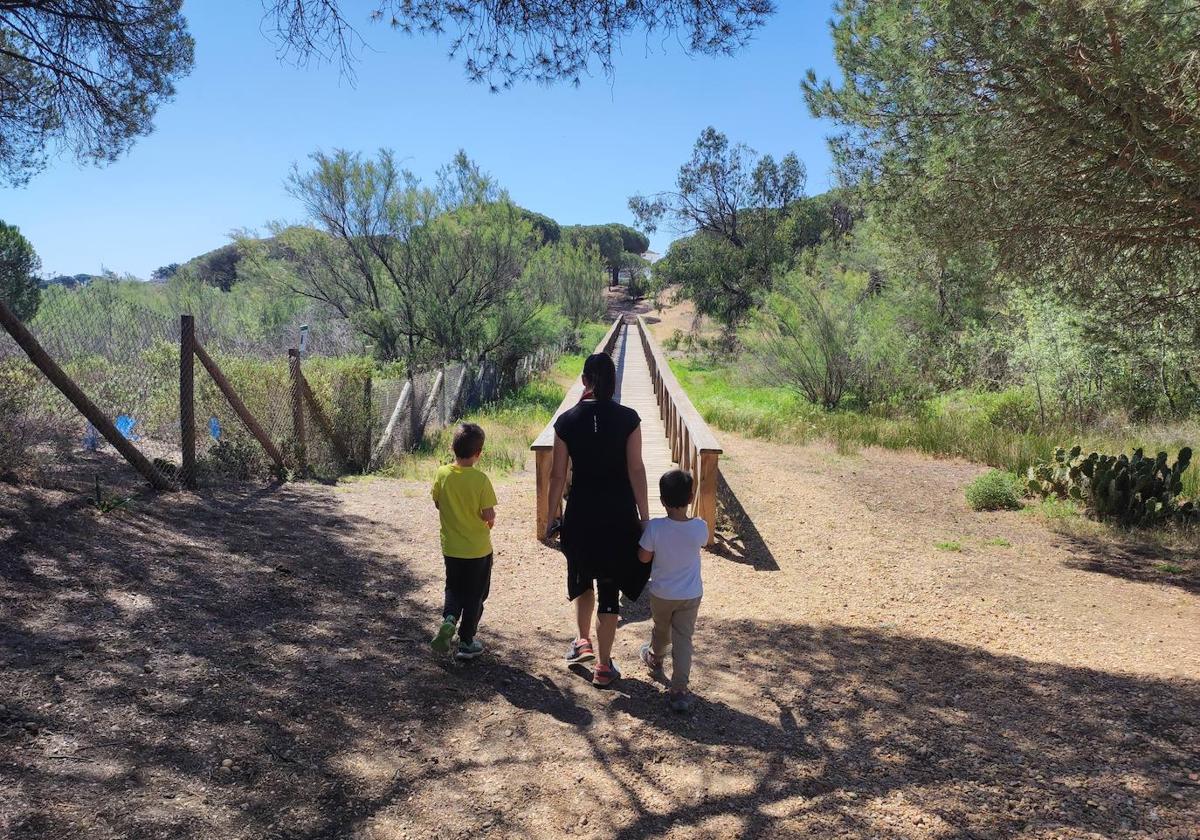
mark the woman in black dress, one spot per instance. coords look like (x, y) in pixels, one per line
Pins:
(606, 510)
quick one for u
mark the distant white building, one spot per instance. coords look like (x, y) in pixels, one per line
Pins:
(651, 257)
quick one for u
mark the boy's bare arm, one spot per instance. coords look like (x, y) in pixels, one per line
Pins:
(645, 555)
(488, 515)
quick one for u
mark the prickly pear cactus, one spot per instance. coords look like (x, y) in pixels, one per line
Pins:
(1134, 491)
(1064, 477)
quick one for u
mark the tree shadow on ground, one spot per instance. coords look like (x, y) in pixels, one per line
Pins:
(737, 537)
(1139, 561)
(891, 736)
(858, 733)
(141, 648)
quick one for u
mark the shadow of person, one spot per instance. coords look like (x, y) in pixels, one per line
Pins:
(709, 721)
(534, 693)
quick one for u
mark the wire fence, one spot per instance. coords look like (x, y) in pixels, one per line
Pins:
(332, 414)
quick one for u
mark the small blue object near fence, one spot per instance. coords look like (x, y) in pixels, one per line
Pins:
(125, 425)
(214, 428)
(91, 438)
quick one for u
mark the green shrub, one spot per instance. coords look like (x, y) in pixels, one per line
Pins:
(232, 460)
(994, 490)
(1014, 410)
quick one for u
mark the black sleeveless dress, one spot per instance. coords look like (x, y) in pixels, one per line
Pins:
(600, 528)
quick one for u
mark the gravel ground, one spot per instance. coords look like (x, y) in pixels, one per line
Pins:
(255, 664)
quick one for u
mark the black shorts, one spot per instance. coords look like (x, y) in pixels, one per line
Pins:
(580, 580)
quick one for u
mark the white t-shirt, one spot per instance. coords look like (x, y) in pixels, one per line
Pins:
(675, 572)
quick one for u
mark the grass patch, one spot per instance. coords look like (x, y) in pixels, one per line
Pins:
(998, 542)
(510, 425)
(591, 334)
(1056, 509)
(948, 545)
(961, 424)
(1171, 568)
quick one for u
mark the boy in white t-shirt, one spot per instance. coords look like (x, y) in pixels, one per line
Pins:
(672, 545)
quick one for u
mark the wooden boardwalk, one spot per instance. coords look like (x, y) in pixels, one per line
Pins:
(635, 389)
(646, 384)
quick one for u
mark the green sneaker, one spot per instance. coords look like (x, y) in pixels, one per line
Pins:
(441, 642)
(469, 650)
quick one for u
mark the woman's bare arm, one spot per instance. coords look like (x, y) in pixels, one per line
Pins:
(558, 482)
(637, 472)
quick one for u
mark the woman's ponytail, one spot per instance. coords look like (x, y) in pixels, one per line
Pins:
(601, 376)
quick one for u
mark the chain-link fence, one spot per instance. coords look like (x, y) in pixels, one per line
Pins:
(404, 409)
(255, 414)
(123, 357)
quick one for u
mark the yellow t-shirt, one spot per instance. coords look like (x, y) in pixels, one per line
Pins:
(461, 493)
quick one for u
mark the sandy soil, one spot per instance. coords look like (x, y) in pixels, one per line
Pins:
(854, 680)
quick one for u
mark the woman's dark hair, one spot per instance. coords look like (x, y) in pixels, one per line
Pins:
(601, 375)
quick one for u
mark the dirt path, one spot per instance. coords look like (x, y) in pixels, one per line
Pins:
(855, 680)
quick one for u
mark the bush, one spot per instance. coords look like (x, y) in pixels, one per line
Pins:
(1015, 410)
(994, 490)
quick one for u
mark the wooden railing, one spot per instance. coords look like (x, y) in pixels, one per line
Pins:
(543, 447)
(693, 445)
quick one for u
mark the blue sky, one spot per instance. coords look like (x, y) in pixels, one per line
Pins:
(220, 151)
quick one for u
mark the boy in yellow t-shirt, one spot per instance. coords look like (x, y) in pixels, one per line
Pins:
(466, 504)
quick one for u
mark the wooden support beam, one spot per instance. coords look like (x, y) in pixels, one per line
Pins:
(339, 447)
(430, 401)
(187, 399)
(239, 407)
(50, 369)
(298, 410)
(456, 400)
(390, 429)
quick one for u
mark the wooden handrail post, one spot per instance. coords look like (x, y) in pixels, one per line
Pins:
(187, 399)
(298, 410)
(543, 463)
(692, 444)
(706, 498)
(50, 369)
(239, 407)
